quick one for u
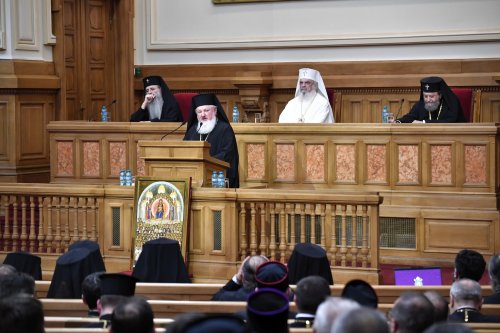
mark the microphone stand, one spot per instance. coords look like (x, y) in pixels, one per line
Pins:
(172, 131)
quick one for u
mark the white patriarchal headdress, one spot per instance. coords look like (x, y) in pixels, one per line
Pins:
(311, 74)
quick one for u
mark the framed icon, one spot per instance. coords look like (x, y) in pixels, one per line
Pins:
(161, 211)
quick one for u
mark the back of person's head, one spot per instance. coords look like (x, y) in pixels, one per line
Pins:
(441, 309)
(182, 321)
(221, 323)
(21, 313)
(16, 283)
(361, 292)
(494, 272)
(249, 268)
(469, 264)
(6, 269)
(272, 274)
(362, 320)
(466, 292)
(267, 311)
(448, 327)
(412, 312)
(310, 292)
(329, 310)
(91, 289)
(133, 316)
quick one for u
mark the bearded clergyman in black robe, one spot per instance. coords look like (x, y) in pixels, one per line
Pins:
(159, 103)
(208, 122)
(437, 104)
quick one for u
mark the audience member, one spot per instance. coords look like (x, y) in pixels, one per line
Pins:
(134, 315)
(329, 311)
(6, 269)
(16, 283)
(21, 313)
(361, 292)
(469, 264)
(273, 274)
(466, 302)
(447, 327)
(441, 308)
(91, 292)
(159, 103)
(494, 273)
(308, 259)
(310, 292)
(412, 313)
(182, 321)
(437, 104)
(310, 104)
(267, 311)
(216, 324)
(208, 122)
(115, 289)
(242, 283)
(362, 320)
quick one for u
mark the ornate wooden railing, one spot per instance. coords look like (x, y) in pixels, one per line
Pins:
(46, 218)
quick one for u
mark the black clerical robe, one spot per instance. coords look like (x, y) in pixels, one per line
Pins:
(168, 114)
(447, 114)
(222, 146)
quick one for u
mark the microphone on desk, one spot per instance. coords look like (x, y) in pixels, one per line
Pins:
(96, 113)
(172, 131)
(400, 107)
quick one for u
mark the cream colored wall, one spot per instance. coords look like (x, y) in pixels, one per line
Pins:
(197, 31)
(26, 30)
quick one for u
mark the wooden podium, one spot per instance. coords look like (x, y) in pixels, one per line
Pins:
(180, 159)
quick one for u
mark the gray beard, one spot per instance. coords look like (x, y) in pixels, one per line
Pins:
(207, 126)
(155, 107)
(308, 96)
(431, 107)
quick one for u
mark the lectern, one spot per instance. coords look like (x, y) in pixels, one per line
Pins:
(180, 159)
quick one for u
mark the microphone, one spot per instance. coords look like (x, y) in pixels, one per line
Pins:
(172, 131)
(107, 107)
(400, 107)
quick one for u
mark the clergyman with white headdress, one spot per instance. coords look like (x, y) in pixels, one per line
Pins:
(310, 104)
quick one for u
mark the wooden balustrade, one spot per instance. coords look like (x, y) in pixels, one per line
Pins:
(45, 218)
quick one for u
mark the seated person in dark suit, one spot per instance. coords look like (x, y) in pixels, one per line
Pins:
(494, 272)
(159, 103)
(437, 104)
(115, 290)
(15, 283)
(362, 320)
(310, 292)
(361, 292)
(412, 312)
(134, 315)
(469, 264)
(242, 283)
(21, 313)
(466, 301)
(91, 292)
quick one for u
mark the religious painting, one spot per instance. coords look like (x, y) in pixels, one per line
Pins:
(161, 210)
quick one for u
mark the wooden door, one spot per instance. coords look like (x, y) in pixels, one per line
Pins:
(94, 58)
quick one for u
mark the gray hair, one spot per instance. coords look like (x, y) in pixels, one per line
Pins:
(466, 290)
(329, 310)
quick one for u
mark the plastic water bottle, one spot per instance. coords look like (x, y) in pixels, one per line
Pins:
(122, 177)
(128, 178)
(385, 114)
(104, 113)
(236, 114)
(214, 179)
(221, 180)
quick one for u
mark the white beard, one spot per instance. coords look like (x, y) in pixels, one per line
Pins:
(308, 96)
(155, 107)
(207, 126)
